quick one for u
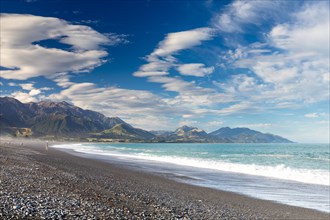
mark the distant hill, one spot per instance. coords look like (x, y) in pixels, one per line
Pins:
(222, 135)
(57, 119)
(183, 134)
(62, 120)
(125, 131)
(245, 135)
(190, 133)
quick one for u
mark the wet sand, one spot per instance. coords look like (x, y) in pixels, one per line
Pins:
(50, 184)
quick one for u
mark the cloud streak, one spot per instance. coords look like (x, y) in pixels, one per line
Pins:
(24, 57)
(195, 69)
(241, 13)
(178, 41)
(162, 59)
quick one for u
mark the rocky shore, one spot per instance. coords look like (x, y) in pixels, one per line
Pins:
(36, 183)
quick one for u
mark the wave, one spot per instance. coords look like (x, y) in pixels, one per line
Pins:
(280, 171)
(273, 155)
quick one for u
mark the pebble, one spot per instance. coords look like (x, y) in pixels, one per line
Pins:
(34, 186)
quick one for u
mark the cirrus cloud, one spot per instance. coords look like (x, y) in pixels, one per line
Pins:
(162, 58)
(241, 13)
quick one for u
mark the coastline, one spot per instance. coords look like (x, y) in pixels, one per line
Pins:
(72, 187)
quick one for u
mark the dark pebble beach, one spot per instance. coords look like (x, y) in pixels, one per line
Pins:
(36, 183)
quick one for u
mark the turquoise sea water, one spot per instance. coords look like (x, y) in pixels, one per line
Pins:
(295, 174)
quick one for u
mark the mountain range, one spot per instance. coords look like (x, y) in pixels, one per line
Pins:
(61, 120)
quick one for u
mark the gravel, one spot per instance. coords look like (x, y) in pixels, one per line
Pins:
(40, 184)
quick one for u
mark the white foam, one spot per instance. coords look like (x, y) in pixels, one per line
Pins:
(319, 177)
(280, 171)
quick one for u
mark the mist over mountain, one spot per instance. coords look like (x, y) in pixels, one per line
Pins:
(48, 119)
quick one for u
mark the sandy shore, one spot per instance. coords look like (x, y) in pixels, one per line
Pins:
(40, 184)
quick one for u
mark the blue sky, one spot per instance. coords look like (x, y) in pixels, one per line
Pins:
(161, 64)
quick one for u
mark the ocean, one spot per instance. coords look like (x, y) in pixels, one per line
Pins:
(293, 174)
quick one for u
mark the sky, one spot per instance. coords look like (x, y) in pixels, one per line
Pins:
(160, 64)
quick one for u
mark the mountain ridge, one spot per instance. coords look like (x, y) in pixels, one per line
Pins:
(56, 119)
(247, 135)
(64, 120)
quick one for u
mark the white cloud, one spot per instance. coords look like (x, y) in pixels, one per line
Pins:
(276, 72)
(179, 85)
(138, 107)
(27, 86)
(189, 123)
(243, 106)
(161, 60)
(21, 53)
(215, 123)
(152, 122)
(24, 97)
(308, 34)
(259, 125)
(149, 73)
(195, 69)
(12, 84)
(241, 13)
(115, 101)
(30, 87)
(156, 65)
(63, 81)
(296, 72)
(177, 41)
(32, 95)
(46, 89)
(116, 39)
(40, 61)
(141, 108)
(312, 115)
(34, 92)
(243, 87)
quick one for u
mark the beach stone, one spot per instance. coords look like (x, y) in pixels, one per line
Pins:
(30, 189)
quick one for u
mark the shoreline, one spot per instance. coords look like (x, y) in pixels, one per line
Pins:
(283, 191)
(84, 187)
